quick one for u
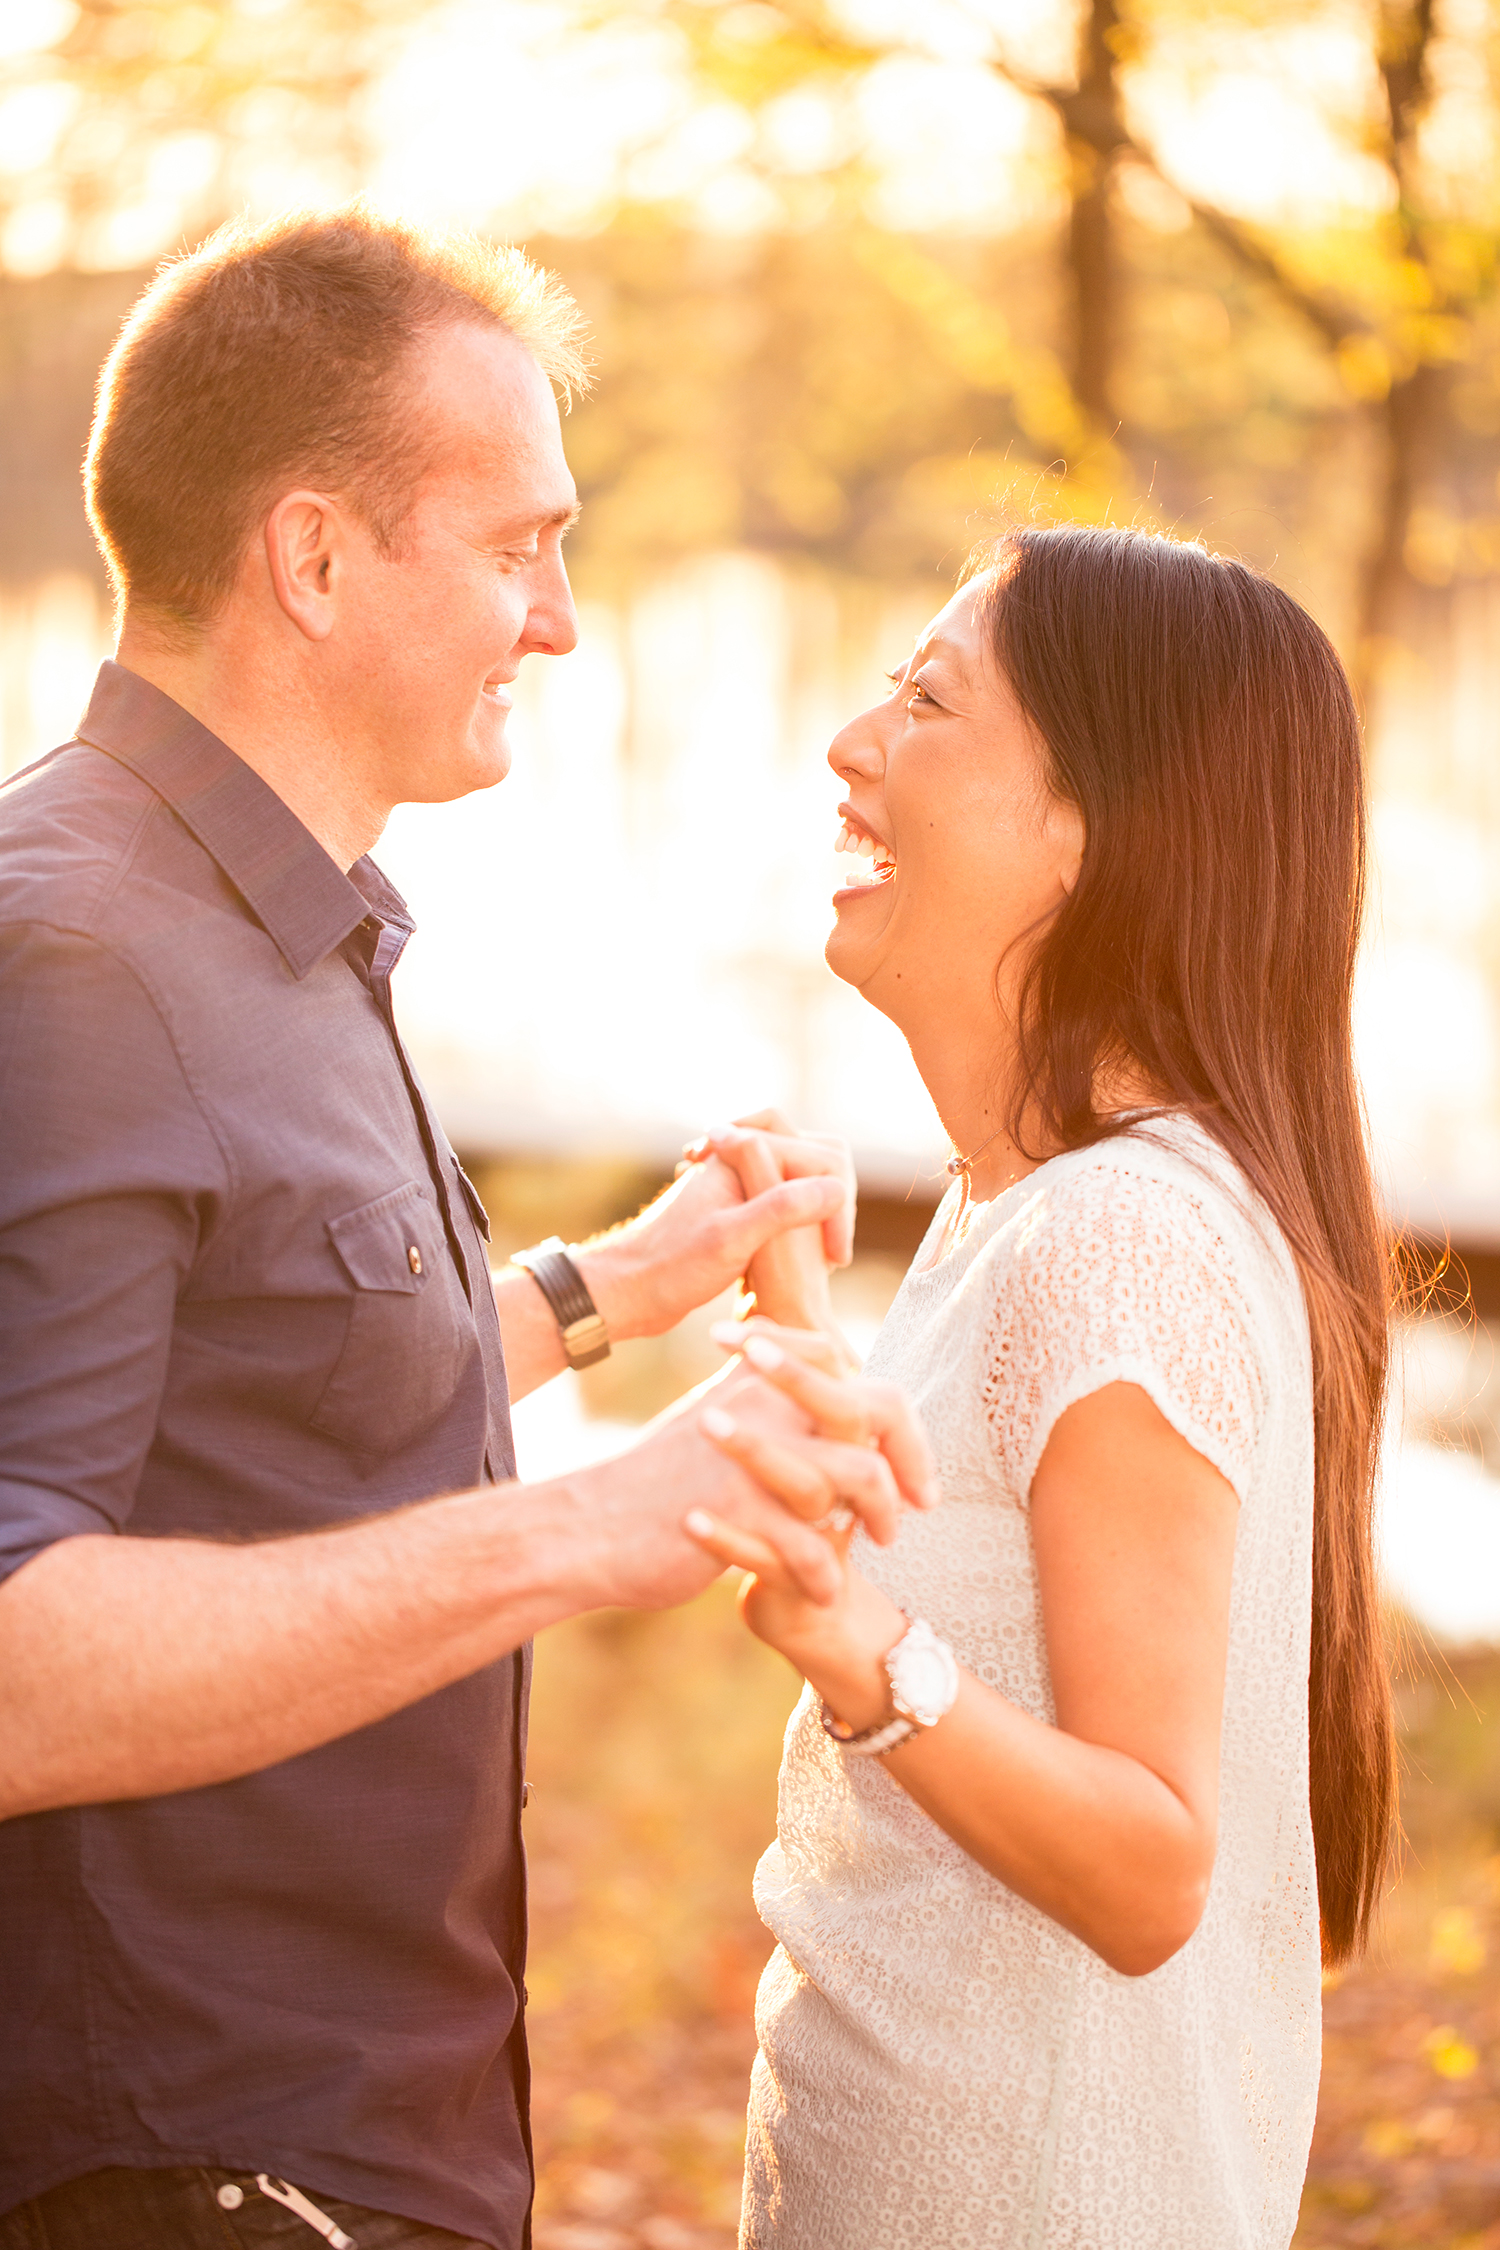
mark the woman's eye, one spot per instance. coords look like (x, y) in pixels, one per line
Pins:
(919, 693)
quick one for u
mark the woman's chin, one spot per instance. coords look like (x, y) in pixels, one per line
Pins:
(849, 952)
(862, 918)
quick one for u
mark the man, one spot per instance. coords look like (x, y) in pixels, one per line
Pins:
(263, 1924)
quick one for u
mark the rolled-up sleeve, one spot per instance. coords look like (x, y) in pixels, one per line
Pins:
(110, 1178)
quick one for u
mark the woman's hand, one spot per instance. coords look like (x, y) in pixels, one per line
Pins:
(788, 1277)
(836, 1644)
(839, 1646)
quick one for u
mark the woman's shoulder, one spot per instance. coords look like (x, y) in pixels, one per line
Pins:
(1142, 1259)
(1161, 1180)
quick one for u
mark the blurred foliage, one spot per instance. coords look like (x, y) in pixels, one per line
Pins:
(853, 397)
(1397, 303)
(1323, 398)
(1406, 2155)
(654, 1746)
(877, 403)
(154, 115)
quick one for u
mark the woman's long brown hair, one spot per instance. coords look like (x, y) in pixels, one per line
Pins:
(1204, 727)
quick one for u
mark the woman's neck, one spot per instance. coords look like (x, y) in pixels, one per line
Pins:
(972, 1087)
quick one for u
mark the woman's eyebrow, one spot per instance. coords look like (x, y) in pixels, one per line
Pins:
(940, 650)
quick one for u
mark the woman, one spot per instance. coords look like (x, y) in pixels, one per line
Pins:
(1049, 1907)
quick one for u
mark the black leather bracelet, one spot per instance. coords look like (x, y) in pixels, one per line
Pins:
(585, 1336)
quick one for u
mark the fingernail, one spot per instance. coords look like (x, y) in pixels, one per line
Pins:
(715, 1423)
(931, 1494)
(701, 1526)
(766, 1356)
(730, 1333)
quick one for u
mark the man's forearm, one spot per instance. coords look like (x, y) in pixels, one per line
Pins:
(133, 1667)
(693, 1242)
(530, 1334)
(528, 1326)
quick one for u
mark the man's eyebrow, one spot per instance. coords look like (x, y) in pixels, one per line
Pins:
(561, 519)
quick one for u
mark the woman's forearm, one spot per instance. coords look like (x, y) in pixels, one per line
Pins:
(1086, 1833)
(1089, 1835)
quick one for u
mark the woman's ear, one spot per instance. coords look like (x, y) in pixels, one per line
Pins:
(1066, 821)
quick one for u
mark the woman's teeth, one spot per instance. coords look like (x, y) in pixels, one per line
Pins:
(883, 859)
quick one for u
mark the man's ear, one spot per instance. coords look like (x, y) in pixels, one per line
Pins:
(307, 553)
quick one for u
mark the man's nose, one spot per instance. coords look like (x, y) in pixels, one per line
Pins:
(551, 621)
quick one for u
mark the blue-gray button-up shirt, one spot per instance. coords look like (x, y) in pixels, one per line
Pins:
(243, 1293)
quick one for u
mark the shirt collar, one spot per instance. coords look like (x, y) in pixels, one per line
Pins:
(303, 901)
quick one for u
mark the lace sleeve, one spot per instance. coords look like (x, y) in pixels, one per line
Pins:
(1122, 1277)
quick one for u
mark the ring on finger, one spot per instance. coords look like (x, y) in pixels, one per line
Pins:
(837, 1519)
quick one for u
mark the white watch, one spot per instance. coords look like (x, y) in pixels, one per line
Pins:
(923, 1672)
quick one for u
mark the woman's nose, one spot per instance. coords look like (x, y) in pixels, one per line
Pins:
(857, 751)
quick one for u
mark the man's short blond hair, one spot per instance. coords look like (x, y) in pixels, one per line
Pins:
(280, 355)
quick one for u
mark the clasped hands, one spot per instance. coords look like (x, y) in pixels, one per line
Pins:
(869, 1455)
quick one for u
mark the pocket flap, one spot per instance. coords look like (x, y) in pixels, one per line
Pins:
(390, 1243)
(477, 1211)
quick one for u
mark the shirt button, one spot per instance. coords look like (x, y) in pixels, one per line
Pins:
(230, 2197)
(414, 1257)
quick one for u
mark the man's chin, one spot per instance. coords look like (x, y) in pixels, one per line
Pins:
(480, 766)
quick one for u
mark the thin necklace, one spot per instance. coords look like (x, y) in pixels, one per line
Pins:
(960, 1164)
(959, 1168)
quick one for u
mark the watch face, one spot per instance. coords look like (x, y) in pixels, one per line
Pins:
(923, 1678)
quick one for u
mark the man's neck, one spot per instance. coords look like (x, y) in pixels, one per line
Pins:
(271, 722)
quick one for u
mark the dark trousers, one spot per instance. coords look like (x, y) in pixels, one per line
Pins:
(183, 2209)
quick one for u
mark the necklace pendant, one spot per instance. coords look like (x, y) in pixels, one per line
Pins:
(957, 1165)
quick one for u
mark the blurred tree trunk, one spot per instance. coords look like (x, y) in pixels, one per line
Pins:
(1094, 133)
(1095, 138)
(1414, 410)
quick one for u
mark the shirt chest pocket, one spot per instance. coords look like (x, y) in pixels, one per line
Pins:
(410, 1328)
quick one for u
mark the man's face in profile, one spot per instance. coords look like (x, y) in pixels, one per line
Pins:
(433, 633)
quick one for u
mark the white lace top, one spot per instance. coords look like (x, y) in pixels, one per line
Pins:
(940, 2064)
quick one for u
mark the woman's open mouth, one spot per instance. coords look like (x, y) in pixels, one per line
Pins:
(865, 849)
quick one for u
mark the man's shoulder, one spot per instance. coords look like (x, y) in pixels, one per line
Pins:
(87, 845)
(68, 826)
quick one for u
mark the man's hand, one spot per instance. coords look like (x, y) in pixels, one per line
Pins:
(764, 1147)
(763, 1455)
(709, 1227)
(788, 1276)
